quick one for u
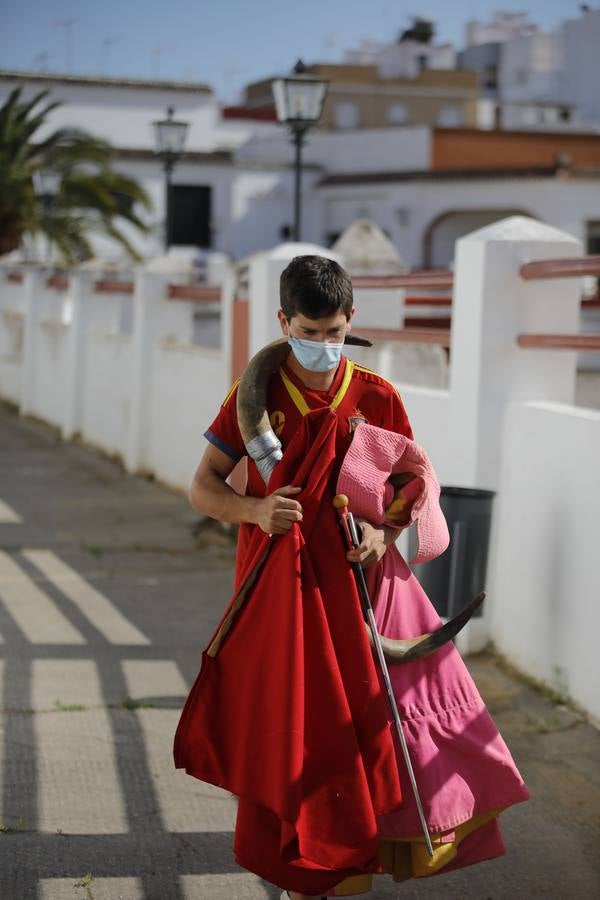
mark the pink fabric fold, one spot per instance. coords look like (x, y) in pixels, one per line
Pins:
(374, 455)
(462, 765)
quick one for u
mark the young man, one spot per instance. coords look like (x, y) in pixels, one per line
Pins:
(287, 712)
(316, 379)
(315, 315)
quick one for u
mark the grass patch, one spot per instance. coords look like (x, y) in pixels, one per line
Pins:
(85, 882)
(130, 703)
(11, 827)
(68, 707)
(556, 696)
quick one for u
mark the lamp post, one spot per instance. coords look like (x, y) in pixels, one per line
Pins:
(299, 100)
(46, 187)
(169, 137)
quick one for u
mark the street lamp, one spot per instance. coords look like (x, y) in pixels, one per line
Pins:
(169, 138)
(299, 103)
(46, 187)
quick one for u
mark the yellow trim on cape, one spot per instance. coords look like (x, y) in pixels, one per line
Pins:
(295, 394)
(299, 400)
(404, 858)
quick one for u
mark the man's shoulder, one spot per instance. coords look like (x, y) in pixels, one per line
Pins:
(368, 376)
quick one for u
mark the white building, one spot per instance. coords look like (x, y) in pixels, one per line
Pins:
(406, 57)
(504, 27)
(234, 186)
(538, 80)
(581, 72)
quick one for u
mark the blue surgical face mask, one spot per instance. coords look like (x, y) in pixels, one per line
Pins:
(316, 356)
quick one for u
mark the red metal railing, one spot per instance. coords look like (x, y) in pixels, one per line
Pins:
(577, 267)
(407, 335)
(209, 293)
(15, 277)
(113, 286)
(427, 279)
(58, 281)
(560, 341)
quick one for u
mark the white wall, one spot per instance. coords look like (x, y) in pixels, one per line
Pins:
(124, 115)
(564, 203)
(505, 423)
(12, 333)
(366, 150)
(579, 82)
(544, 582)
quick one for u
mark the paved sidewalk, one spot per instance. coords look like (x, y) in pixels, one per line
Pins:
(107, 595)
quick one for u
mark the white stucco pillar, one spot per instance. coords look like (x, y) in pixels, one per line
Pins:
(80, 297)
(148, 300)
(34, 286)
(492, 305)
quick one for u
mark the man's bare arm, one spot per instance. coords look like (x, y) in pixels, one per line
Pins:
(211, 495)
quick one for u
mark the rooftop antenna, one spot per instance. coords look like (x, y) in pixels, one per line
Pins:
(157, 53)
(67, 24)
(40, 60)
(106, 45)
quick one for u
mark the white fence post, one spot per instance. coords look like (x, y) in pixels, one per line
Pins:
(492, 305)
(34, 287)
(80, 288)
(149, 294)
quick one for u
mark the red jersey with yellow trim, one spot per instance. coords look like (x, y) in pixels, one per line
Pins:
(356, 395)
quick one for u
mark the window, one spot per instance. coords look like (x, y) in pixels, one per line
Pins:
(593, 237)
(450, 117)
(346, 115)
(490, 77)
(397, 114)
(190, 215)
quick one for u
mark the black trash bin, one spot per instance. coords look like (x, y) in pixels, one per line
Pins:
(454, 578)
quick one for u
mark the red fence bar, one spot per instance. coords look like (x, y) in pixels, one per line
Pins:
(58, 282)
(437, 336)
(109, 286)
(575, 267)
(15, 277)
(560, 341)
(428, 300)
(443, 322)
(210, 293)
(427, 279)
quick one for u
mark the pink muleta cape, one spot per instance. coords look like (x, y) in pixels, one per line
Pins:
(462, 765)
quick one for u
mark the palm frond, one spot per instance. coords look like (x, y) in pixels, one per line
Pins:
(92, 196)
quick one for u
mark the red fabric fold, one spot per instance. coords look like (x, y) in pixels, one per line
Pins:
(289, 715)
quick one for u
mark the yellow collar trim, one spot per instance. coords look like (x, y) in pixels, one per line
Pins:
(295, 394)
(299, 400)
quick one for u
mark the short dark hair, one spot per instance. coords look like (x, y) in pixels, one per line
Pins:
(315, 287)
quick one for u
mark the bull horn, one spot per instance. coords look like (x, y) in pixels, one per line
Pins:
(262, 444)
(402, 651)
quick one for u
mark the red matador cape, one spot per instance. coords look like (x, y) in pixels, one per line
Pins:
(288, 712)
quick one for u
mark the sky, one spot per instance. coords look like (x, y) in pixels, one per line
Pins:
(224, 43)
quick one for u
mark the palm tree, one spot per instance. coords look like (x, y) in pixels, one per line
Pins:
(92, 196)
